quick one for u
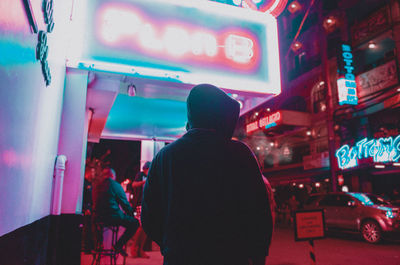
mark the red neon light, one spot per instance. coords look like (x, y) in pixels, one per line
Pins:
(275, 7)
(270, 119)
(251, 127)
(231, 47)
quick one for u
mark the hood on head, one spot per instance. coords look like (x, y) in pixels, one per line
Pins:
(209, 107)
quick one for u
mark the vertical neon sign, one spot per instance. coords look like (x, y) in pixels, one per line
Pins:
(347, 86)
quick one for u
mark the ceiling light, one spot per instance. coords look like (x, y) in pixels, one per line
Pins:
(317, 184)
(131, 90)
(372, 45)
(268, 109)
(301, 186)
(396, 164)
(258, 148)
(308, 133)
(379, 166)
(321, 83)
(271, 144)
(296, 46)
(398, 90)
(330, 24)
(256, 113)
(294, 7)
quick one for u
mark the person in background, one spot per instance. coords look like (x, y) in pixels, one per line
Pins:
(140, 237)
(204, 200)
(108, 197)
(293, 206)
(87, 238)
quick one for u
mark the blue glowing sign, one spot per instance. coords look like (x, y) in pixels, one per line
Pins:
(347, 86)
(385, 149)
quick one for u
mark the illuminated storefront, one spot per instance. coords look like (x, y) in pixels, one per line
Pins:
(110, 70)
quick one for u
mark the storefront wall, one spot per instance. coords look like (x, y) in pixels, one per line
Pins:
(29, 120)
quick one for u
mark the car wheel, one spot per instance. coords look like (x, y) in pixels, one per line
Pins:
(371, 232)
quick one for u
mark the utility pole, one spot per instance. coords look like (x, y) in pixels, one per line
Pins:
(330, 108)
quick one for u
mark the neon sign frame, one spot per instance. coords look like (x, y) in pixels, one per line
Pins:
(252, 35)
(382, 150)
(275, 7)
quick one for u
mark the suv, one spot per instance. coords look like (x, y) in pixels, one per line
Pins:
(361, 212)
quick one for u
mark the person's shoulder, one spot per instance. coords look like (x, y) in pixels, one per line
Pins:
(172, 147)
(240, 146)
(113, 182)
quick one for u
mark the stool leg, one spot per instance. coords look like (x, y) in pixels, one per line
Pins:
(114, 256)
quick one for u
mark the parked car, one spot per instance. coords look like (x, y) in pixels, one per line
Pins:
(368, 214)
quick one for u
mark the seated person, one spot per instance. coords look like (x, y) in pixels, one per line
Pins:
(108, 196)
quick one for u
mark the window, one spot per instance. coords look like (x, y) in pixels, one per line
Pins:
(318, 97)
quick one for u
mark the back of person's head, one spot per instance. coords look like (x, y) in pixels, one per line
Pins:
(146, 165)
(209, 107)
(109, 173)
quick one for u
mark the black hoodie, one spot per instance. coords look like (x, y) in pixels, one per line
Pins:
(204, 201)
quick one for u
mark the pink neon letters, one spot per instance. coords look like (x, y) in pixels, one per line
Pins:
(175, 40)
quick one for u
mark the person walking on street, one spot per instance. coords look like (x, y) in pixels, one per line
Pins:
(204, 201)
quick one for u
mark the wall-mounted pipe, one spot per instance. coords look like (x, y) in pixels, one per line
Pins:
(58, 180)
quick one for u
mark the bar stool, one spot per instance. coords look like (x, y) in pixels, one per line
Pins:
(99, 249)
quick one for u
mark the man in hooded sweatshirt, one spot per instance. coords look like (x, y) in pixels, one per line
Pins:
(204, 200)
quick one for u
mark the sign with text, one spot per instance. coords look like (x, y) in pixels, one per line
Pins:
(281, 117)
(186, 41)
(346, 83)
(384, 149)
(264, 122)
(309, 225)
(377, 79)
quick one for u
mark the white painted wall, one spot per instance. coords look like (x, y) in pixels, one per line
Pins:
(73, 139)
(30, 113)
(149, 149)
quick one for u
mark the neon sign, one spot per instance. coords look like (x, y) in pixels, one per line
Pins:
(386, 149)
(177, 41)
(270, 120)
(347, 86)
(264, 122)
(275, 7)
(251, 127)
(189, 41)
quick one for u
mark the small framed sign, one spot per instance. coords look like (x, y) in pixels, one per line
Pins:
(309, 225)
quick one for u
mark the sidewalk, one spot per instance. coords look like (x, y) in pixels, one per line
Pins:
(334, 250)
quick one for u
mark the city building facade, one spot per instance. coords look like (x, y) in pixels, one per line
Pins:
(336, 124)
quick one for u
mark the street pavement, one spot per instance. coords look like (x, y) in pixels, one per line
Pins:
(334, 250)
